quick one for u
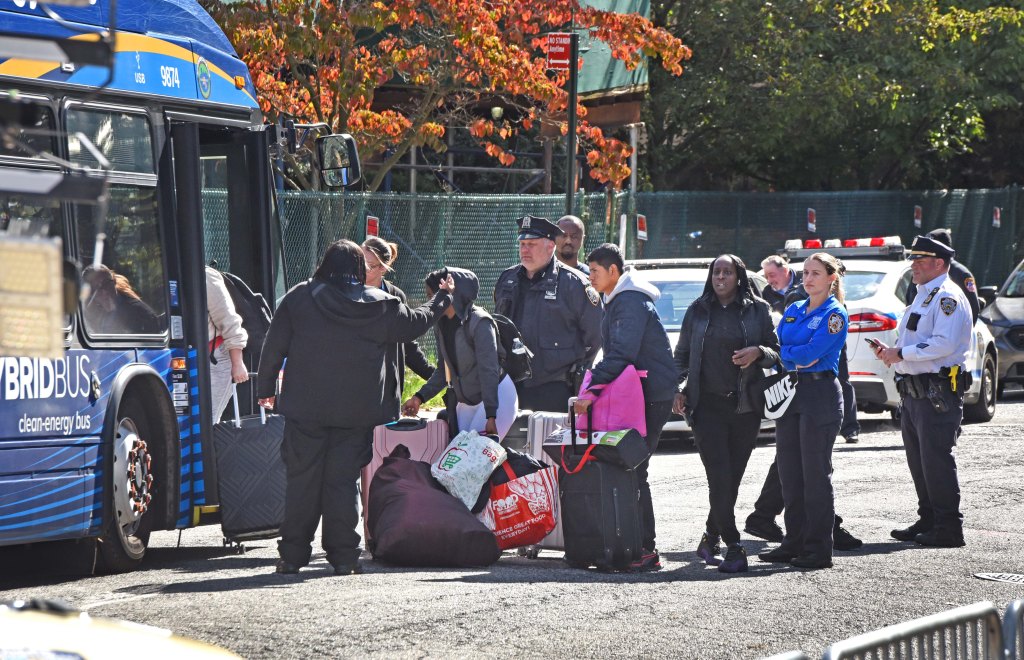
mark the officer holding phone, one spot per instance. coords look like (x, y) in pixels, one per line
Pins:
(929, 358)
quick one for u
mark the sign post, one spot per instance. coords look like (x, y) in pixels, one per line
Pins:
(564, 54)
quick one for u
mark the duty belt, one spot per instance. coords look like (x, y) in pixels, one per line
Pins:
(949, 379)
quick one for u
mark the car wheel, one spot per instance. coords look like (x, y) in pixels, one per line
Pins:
(985, 408)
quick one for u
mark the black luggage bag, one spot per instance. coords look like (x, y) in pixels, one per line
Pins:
(600, 512)
(250, 475)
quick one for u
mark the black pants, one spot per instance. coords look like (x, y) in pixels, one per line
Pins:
(850, 423)
(725, 441)
(929, 438)
(323, 465)
(549, 397)
(656, 416)
(804, 438)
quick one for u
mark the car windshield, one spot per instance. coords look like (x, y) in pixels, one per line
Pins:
(861, 284)
(1014, 287)
(675, 298)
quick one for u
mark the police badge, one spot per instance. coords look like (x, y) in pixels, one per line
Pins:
(835, 323)
(947, 305)
(593, 296)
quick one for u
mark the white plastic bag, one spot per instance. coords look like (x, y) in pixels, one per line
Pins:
(467, 464)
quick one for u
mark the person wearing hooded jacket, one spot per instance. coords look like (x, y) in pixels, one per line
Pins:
(726, 340)
(467, 341)
(632, 333)
(334, 331)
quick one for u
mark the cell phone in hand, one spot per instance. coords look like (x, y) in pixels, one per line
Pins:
(875, 344)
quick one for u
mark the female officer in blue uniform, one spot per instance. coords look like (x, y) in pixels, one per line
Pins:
(812, 334)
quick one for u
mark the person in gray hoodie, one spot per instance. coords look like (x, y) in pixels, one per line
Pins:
(335, 332)
(632, 333)
(467, 342)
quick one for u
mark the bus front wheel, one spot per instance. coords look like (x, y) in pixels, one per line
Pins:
(126, 535)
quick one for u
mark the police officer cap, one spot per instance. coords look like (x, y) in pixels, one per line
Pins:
(942, 235)
(530, 226)
(929, 247)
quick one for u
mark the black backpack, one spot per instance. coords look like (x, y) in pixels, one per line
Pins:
(513, 354)
(253, 309)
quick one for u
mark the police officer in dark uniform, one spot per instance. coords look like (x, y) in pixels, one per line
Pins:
(557, 312)
(959, 273)
(929, 357)
(812, 334)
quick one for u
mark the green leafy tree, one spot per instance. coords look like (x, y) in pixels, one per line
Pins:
(813, 95)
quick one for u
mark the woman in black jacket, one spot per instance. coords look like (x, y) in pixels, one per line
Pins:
(380, 258)
(334, 331)
(726, 339)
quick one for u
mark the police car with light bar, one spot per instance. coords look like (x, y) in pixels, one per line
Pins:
(876, 283)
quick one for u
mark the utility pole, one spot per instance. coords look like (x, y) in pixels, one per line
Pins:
(570, 142)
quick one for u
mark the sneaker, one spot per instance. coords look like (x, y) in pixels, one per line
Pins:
(939, 538)
(735, 560)
(649, 561)
(777, 556)
(852, 438)
(811, 561)
(347, 569)
(844, 540)
(709, 550)
(764, 528)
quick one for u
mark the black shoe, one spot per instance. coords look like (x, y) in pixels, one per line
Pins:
(908, 533)
(844, 540)
(286, 567)
(649, 561)
(938, 538)
(811, 561)
(852, 438)
(709, 550)
(777, 556)
(347, 569)
(763, 528)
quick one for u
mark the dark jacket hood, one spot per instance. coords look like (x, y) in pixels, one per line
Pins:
(350, 304)
(467, 288)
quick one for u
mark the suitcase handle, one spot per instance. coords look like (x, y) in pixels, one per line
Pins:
(408, 424)
(572, 422)
(238, 416)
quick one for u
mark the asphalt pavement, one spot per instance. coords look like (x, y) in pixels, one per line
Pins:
(541, 608)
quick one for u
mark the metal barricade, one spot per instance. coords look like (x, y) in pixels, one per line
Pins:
(790, 655)
(1013, 630)
(972, 631)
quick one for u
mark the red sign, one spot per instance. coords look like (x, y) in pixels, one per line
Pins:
(812, 220)
(918, 216)
(372, 226)
(997, 214)
(559, 50)
(641, 227)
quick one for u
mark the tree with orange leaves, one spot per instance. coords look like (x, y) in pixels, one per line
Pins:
(327, 61)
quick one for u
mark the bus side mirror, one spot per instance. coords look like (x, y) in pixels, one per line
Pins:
(339, 160)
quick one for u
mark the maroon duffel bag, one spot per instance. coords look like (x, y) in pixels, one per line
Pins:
(414, 521)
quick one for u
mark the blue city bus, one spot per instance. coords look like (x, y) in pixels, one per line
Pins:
(111, 441)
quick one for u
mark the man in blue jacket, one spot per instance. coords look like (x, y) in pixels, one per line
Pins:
(632, 334)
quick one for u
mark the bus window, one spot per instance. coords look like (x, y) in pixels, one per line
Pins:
(127, 291)
(122, 137)
(29, 123)
(214, 179)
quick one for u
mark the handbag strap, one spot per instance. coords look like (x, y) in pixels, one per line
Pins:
(512, 476)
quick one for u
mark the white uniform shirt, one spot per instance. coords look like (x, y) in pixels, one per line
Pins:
(942, 337)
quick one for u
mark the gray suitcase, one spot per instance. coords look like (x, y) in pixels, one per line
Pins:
(518, 436)
(541, 425)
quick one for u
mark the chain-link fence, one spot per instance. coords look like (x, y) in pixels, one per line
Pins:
(478, 231)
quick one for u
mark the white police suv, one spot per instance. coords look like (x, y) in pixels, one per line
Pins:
(877, 279)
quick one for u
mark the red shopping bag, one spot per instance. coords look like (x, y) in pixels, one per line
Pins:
(523, 510)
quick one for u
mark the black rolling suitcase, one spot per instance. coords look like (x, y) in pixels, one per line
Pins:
(250, 475)
(600, 510)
